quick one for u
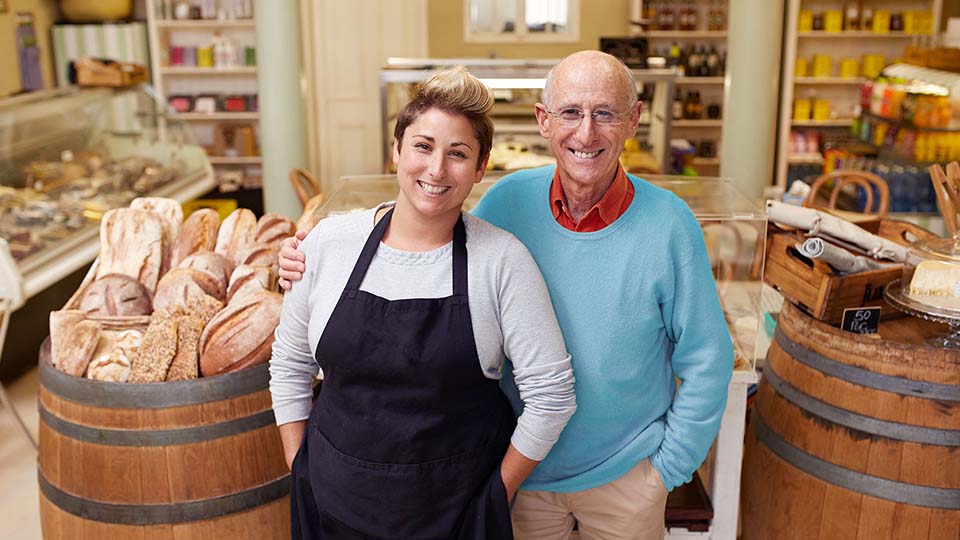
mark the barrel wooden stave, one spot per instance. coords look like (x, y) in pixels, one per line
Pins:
(210, 468)
(782, 501)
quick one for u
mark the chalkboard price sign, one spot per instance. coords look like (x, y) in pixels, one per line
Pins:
(861, 320)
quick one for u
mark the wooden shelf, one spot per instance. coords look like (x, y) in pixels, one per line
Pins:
(705, 122)
(839, 81)
(855, 34)
(706, 161)
(838, 122)
(210, 117)
(205, 24)
(242, 160)
(681, 34)
(811, 159)
(682, 81)
(185, 70)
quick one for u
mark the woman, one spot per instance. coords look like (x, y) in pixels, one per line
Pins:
(410, 436)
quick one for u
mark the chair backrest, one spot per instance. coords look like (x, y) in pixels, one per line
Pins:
(304, 184)
(947, 187)
(867, 181)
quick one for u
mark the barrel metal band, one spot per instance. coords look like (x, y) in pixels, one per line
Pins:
(162, 514)
(859, 422)
(153, 395)
(881, 488)
(157, 437)
(863, 377)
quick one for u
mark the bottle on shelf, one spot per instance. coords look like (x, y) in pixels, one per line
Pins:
(675, 56)
(693, 63)
(650, 14)
(714, 68)
(851, 16)
(692, 108)
(677, 111)
(666, 19)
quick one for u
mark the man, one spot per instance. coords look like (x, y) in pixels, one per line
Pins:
(628, 273)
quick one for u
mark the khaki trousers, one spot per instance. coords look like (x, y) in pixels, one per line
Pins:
(629, 508)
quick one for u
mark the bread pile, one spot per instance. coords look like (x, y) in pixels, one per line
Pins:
(173, 299)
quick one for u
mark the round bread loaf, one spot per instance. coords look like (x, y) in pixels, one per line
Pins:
(212, 263)
(273, 228)
(180, 285)
(247, 279)
(241, 335)
(236, 234)
(116, 295)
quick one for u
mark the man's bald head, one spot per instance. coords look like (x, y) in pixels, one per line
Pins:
(595, 65)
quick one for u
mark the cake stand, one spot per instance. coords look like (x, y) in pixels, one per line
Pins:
(894, 294)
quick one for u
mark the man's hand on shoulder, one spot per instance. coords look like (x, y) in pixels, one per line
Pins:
(291, 259)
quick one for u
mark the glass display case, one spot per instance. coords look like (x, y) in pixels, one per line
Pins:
(516, 85)
(734, 232)
(67, 156)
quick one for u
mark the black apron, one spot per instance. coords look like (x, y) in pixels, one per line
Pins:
(406, 436)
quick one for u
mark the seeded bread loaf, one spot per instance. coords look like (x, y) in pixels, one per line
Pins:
(185, 364)
(241, 335)
(198, 234)
(159, 346)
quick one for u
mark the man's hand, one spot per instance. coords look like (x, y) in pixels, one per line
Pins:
(292, 262)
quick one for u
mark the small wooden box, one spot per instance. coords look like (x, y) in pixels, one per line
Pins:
(820, 290)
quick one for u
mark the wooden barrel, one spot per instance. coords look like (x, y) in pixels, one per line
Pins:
(198, 460)
(854, 436)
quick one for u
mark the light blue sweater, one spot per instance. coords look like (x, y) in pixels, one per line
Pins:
(638, 306)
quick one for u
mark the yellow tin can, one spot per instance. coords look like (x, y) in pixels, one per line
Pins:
(800, 67)
(805, 21)
(801, 109)
(833, 20)
(205, 56)
(821, 109)
(881, 21)
(822, 65)
(849, 68)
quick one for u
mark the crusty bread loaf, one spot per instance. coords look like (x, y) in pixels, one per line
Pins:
(131, 243)
(171, 216)
(112, 367)
(185, 364)
(273, 228)
(182, 284)
(261, 255)
(241, 335)
(115, 295)
(212, 263)
(82, 341)
(236, 233)
(247, 279)
(198, 233)
(61, 324)
(152, 361)
(310, 217)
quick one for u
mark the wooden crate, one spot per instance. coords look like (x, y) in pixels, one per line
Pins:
(821, 291)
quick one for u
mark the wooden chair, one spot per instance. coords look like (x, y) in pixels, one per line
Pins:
(867, 181)
(947, 187)
(304, 184)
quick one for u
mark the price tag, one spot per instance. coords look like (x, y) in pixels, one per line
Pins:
(861, 320)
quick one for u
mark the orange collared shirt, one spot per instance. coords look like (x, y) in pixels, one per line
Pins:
(610, 207)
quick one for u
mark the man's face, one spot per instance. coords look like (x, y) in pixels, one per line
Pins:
(587, 153)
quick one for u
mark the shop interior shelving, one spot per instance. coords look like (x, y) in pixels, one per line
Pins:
(711, 89)
(516, 121)
(842, 93)
(171, 80)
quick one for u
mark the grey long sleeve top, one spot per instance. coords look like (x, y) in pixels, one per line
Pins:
(510, 310)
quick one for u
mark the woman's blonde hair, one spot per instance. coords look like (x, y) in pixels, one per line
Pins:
(453, 91)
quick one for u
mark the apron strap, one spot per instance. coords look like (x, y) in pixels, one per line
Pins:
(373, 242)
(460, 260)
(366, 256)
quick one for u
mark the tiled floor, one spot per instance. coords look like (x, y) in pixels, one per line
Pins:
(19, 506)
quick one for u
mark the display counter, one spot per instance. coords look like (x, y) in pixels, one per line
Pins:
(69, 155)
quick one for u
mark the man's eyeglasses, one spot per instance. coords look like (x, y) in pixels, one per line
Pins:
(572, 117)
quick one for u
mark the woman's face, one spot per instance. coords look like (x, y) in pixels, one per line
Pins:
(437, 164)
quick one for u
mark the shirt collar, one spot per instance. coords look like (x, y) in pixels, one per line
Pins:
(608, 206)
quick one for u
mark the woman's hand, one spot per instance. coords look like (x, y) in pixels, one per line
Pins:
(292, 261)
(291, 437)
(514, 469)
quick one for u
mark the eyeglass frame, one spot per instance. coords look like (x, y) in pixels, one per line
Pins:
(619, 117)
